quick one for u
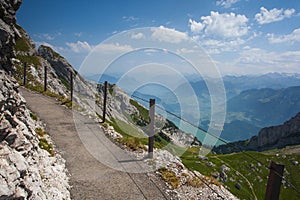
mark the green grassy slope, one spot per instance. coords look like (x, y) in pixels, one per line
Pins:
(247, 173)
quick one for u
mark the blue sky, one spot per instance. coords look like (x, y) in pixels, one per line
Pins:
(241, 36)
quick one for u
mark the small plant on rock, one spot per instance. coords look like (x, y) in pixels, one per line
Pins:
(170, 177)
(33, 116)
(43, 143)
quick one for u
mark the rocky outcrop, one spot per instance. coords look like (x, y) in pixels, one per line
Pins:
(17, 48)
(179, 137)
(279, 136)
(273, 137)
(8, 32)
(60, 65)
(8, 9)
(183, 183)
(27, 171)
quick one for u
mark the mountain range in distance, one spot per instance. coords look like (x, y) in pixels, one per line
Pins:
(253, 101)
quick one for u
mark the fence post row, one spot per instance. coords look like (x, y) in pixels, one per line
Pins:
(45, 78)
(274, 181)
(104, 101)
(151, 127)
(24, 73)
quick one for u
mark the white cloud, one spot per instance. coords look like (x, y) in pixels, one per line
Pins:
(137, 36)
(267, 16)
(79, 34)
(45, 36)
(79, 46)
(130, 18)
(48, 37)
(290, 38)
(253, 63)
(196, 27)
(226, 25)
(163, 34)
(226, 3)
(113, 48)
(212, 46)
(259, 61)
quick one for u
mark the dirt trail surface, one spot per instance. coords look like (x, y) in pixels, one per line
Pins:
(91, 179)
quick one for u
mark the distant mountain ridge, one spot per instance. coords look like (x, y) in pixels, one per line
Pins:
(234, 84)
(268, 138)
(267, 106)
(253, 102)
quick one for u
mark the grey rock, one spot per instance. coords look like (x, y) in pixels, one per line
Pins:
(272, 137)
(8, 32)
(238, 186)
(225, 168)
(26, 170)
(215, 175)
(210, 164)
(10, 139)
(223, 176)
(278, 136)
(295, 162)
(202, 157)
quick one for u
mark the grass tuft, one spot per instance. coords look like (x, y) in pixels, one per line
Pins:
(195, 182)
(40, 132)
(66, 101)
(170, 177)
(43, 143)
(33, 116)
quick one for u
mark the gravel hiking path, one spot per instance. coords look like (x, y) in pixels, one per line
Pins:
(89, 178)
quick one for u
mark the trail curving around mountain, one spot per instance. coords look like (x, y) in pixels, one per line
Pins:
(89, 178)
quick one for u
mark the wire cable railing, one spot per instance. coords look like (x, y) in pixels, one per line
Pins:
(219, 139)
(223, 141)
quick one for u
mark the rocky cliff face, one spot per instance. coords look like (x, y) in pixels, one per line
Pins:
(8, 31)
(268, 138)
(60, 65)
(279, 136)
(61, 71)
(27, 171)
(17, 50)
(29, 166)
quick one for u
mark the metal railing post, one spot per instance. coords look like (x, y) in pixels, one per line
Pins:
(274, 181)
(71, 85)
(24, 74)
(151, 128)
(45, 78)
(104, 101)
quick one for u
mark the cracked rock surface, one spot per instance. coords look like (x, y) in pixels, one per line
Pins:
(26, 170)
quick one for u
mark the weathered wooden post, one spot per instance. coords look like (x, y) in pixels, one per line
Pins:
(151, 128)
(45, 78)
(71, 85)
(274, 181)
(24, 74)
(104, 101)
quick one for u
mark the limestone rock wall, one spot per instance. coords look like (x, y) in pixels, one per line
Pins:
(280, 136)
(8, 31)
(27, 171)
